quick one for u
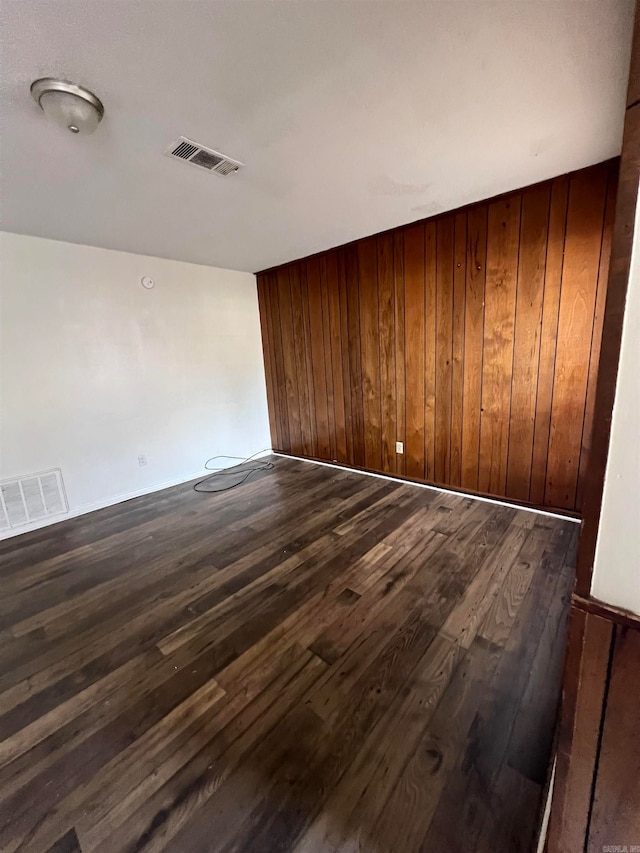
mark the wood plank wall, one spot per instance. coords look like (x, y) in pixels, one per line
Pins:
(596, 796)
(472, 337)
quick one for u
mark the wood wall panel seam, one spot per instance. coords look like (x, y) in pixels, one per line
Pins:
(596, 333)
(543, 415)
(429, 322)
(444, 347)
(400, 354)
(518, 287)
(415, 349)
(502, 250)
(539, 365)
(527, 330)
(585, 218)
(598, 747)
(281, 373)
(328, 355)
(458, 325)
(292, 392)
(344, 344)
(311, 390)
(355, 352)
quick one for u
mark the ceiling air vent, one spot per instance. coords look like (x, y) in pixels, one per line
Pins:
(205, 158)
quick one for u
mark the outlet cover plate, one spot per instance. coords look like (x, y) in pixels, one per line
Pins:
(399, 447)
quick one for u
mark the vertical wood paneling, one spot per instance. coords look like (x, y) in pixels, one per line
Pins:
(414, 272)
(616, 801)
(596, 337)
(584, 691)
(355, 353)
(340, 421)
(318, 357)
(344, 342)
(457, 373)
(325, 262)
(430, 345)
(472, 337)
(282, 296)
(587, 193)
(524, 378)
(444, 346)
(275, 335)
(473, 343)
(370, 346)
(304, 293)
(306, 406)
(398, 273)
(548, 342)
(503, 230)
(386, 327)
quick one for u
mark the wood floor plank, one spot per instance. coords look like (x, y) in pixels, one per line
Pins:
(355, 640)
(315, 661)
(463, 621)
(324, 750)
(350, 813)
(55, 665)
(470, 792)
(176, 801)
(406, 816)
(112, 784)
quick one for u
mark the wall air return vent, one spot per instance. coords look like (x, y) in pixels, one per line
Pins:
(31, 498)
(205, 158)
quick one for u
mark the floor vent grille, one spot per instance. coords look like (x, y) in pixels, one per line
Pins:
(31, 498)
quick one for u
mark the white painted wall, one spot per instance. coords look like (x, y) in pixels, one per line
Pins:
(96, 370)
(616, 577)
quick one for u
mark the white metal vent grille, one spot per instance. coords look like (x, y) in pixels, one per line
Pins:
(203, 157)
(31, 498)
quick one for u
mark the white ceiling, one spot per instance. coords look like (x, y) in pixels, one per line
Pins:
(351, 117)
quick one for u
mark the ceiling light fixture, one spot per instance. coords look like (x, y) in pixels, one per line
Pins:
(72, 107)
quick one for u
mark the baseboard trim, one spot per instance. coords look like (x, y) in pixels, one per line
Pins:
(178, 481)
(396, 478)
(85, 509)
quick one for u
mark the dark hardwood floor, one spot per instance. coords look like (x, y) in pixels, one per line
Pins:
(316, 660)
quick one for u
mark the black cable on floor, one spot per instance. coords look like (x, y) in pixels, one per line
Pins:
(227, 472)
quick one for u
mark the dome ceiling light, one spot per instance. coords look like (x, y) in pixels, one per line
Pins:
(72, 107)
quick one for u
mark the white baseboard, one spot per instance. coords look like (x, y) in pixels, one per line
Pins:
(110, 501)
(433, 488)
(544, 826)
(167, 484)
(95, 505)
